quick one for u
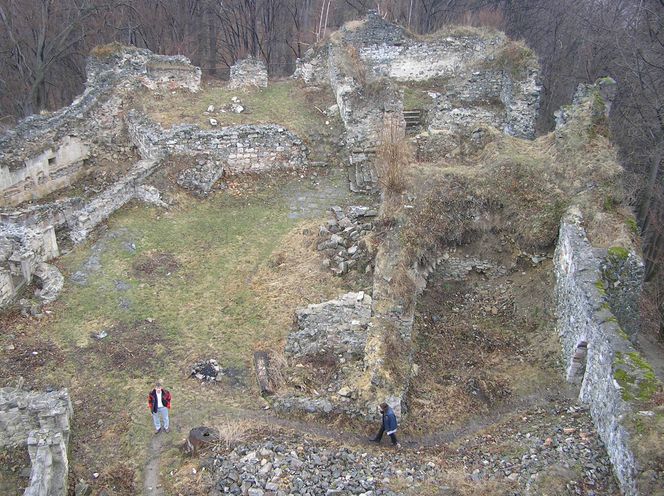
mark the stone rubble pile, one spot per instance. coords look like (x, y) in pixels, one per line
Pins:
(341, 239)
(337, 326)
(279, 468)
(207, 370)
(560, 443)
(201, 177)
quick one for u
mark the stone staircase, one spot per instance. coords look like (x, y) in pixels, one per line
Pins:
(413, 119)
(362, 172)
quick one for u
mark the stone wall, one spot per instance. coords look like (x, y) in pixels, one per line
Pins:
(611, 374)
(42, 422)
(22, 250)
(244, 148)
(44, 153)
(368, 62)
(337, 326)
(248, 73)
(101, 207)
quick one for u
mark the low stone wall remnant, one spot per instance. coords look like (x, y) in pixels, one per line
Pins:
(44, 153)
(42, 422)
(248, 73)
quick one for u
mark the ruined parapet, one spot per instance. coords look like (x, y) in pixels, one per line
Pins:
(44, 153)
(41, 422)
(615, 381)
(83, 221)
(474, 79)
(248, 73)
(598, 96)
(244, 148)
(22, 250)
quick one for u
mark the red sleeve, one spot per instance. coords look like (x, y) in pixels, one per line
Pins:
(150, 401)
(167, 399)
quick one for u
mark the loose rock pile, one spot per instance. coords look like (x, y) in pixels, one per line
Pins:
(312, 468)
(207, 370)
(337, 326)
(201, 177)
(557, 449)
(341, 239)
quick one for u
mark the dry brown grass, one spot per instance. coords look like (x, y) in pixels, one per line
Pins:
(108, 50)
(295, 279)
(394, 154)
(356, 67)
(235, 431)
(522, 188)
(513, 57)
(277, 369)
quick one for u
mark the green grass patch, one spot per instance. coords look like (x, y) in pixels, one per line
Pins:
(416, 98)
(285, 103)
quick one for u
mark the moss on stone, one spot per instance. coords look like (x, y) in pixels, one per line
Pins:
(618, 252)
(622, 333)
(632, 225)
(599, 284)
(637, 383)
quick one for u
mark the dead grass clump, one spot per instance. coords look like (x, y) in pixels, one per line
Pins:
(445, 216)
(354, 65)
(234, 432)
(109, 50)
(514, 58)
(395, 352)
(118, 481)
(460, 30)
(394, 155)
(155, 265)
(278, 367)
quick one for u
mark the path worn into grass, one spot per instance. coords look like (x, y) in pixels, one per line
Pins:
(151, 477)
(442, 436)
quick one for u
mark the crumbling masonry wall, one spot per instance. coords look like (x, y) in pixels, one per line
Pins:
(244, 148)
(42, 422)
(47, 152)
(248, 73)
(599, 352)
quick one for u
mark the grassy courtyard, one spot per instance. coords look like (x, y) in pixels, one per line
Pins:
(217, 278)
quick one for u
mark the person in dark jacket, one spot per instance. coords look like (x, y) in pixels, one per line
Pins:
(388, 425)
(159, 401)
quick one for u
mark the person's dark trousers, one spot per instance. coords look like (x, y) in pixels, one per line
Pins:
(379, 436)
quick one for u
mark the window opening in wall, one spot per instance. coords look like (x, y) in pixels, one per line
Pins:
(51, 161)
(577, 368)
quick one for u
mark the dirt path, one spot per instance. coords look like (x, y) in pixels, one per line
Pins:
(444, 436)
(151, 479)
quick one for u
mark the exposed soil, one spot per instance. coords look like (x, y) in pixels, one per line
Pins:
(14, 469)
(150, 266)
(152, 485)
(130, 347)
(480, 343)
